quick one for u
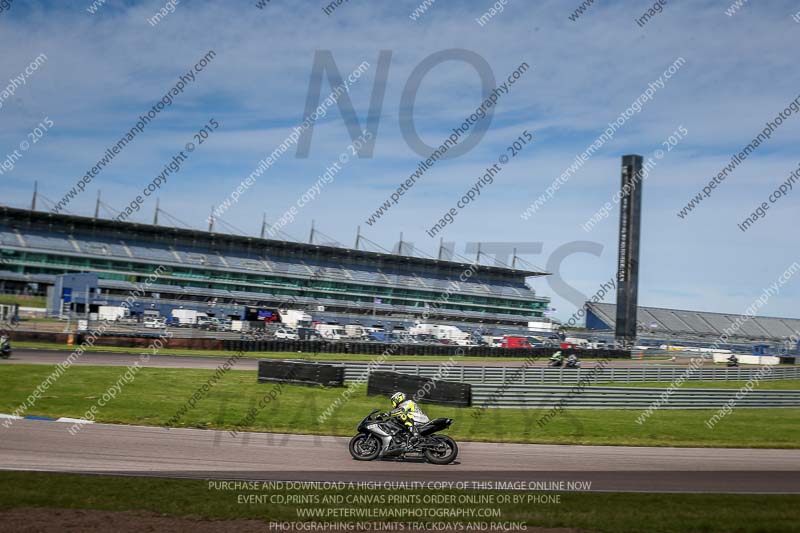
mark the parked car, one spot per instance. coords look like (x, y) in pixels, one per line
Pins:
(424, 338)
(155, 322)
(308, 334)
(208, 323)
(286, 334)
(379, 336)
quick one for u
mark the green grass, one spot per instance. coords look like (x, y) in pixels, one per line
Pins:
(23, 301)
(274, 355)
(597, 512)
(157, 394)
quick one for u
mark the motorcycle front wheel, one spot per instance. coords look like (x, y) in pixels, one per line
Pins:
(445, 452)
(364, 447)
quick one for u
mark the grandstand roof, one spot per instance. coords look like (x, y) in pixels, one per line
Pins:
(701, 323)
(212, 239)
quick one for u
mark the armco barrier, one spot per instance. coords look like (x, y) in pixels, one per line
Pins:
(377, 348)
(544, 397)
(555, 376)
(302, 373)
(422, 389)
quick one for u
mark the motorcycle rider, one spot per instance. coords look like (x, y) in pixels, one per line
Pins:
(556, 359)
(572, 361)
(733, 360)
(5, 346)
(409, 412)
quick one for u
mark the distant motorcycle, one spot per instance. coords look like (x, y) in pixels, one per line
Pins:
(555, 363)
(573, 363)
(375, 432)
(733, 361)
(5, 347)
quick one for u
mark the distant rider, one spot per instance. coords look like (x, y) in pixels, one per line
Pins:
(409, 413)
(572, 361)
(557, 358)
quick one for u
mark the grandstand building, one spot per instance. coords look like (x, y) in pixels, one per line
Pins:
(654, 321)
(224, 274)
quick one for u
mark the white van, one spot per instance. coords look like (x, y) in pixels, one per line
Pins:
(577, 341)
(331, 331)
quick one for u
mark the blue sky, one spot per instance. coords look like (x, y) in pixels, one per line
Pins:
(106, 68)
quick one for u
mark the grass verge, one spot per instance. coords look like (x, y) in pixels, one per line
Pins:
(605, 512)
(157, 394)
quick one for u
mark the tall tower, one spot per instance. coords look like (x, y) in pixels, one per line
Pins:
(630, 220)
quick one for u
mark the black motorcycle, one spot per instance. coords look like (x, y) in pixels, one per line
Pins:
(733, 361)
(5, 347)
(573, 363)
(375, 432)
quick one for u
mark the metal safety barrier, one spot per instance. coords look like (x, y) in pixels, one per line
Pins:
(556, 376)
(545, 397)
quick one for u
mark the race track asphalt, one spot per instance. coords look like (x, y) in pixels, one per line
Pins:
(53, 357)
(208, 454)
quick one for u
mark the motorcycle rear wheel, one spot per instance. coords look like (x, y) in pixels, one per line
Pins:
(364, 447)
(445, 453)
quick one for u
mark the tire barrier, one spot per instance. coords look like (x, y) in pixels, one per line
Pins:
(377, 348)
(300, 373)
(421, 389)
(127, 339)
(39, 336)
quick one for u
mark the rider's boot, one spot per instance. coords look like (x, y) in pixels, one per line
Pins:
(414, 435)
(384, 449)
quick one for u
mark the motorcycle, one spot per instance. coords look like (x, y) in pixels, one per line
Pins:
(5, 347)
(733, 361)
(573, 364)
(555, 363)
(375, 432)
